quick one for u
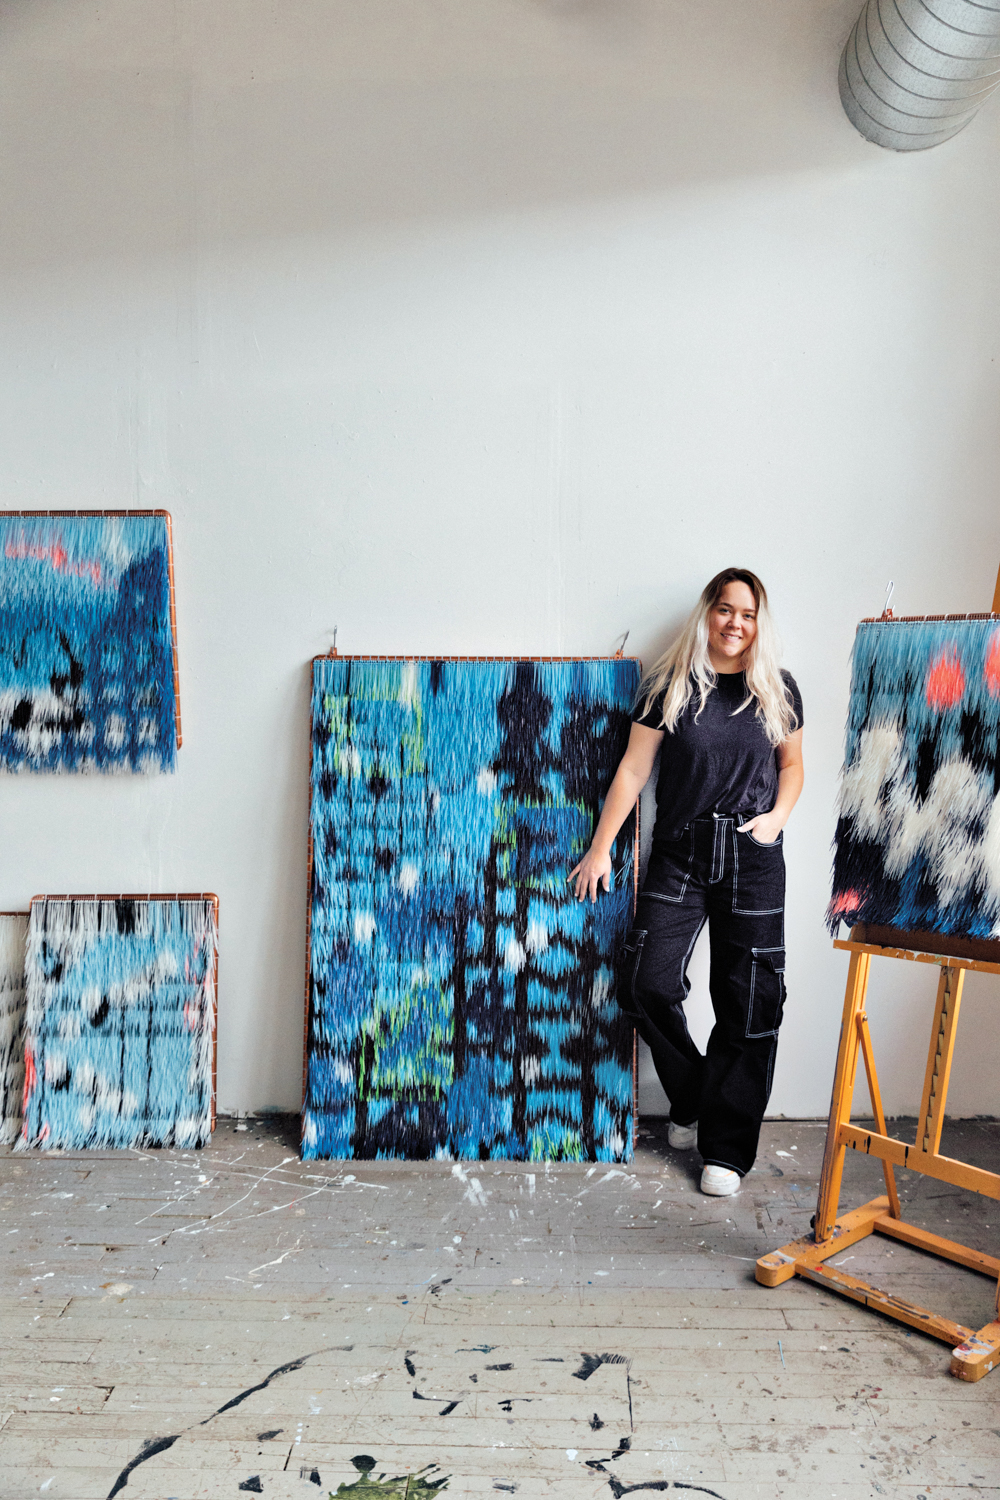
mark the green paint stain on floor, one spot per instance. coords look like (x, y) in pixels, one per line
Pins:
(401, 1487)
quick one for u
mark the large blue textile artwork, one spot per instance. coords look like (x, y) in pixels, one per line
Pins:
(120, 1022)
(918, 836)
(86, 644)
(462, 1003)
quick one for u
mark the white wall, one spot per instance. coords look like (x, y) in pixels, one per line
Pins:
(481, 326)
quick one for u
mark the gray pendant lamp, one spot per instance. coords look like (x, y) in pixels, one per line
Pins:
(914, 72)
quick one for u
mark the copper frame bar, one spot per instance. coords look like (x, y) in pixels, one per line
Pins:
(53, 514)
(928, 947)
(335, 655)
(990, 614)
(160, 896)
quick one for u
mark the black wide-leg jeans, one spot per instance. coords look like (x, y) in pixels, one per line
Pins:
(712, 873)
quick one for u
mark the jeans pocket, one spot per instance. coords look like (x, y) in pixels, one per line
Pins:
(774, 844)
(634, 940)
(767, 992)
(758, 876)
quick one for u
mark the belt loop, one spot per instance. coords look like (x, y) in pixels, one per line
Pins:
(719, 828)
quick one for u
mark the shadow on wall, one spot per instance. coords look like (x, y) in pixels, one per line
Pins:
(137, 128)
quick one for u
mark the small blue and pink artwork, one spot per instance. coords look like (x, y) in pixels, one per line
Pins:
(918, 835)
(87, 658)
(461, 1001)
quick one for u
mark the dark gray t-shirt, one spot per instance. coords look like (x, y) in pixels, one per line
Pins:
(720, 762)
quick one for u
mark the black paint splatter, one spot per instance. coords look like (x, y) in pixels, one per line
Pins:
(593, 1362)
(152, 1446)
(149, 1449)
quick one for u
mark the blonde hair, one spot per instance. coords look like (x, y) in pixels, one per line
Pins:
(686, 665)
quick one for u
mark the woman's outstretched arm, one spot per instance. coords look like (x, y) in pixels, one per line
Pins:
(630, 778)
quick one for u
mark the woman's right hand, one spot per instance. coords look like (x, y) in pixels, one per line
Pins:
(593, 869)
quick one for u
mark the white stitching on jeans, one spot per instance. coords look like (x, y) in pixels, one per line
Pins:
(774, 844)
(779, 975)
(641, 934)
(712, 877)
(685, 959)
(676, 900)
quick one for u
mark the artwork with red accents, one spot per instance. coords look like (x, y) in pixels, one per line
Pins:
(88, 665)
(918, 834)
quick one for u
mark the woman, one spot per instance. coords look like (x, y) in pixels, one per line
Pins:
(729, 722)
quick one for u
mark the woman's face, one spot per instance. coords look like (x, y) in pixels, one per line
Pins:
(732, 627)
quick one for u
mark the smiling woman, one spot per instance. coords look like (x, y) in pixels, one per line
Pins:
(727, 723)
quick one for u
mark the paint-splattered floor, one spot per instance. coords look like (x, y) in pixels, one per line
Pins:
(233, 1321)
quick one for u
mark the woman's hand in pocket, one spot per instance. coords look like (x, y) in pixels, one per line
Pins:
(593, 869)
(765, 827)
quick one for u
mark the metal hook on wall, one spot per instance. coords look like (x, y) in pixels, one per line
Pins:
(887, 612)
(621, 646)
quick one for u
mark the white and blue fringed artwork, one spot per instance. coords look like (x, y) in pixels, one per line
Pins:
(918, 836)
(120, 1022)
(13, 937)
(461, 1001)
(87, 678)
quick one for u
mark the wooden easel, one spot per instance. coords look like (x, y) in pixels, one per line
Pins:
(974, 1351)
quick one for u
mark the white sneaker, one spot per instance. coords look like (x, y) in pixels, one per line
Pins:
(682, 1137)
(720, 1182)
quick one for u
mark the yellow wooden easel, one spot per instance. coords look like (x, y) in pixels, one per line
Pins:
(974, 1351)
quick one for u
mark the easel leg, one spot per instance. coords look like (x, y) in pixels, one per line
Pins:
(843, 1095)
(875, 1094)
(935, 1096)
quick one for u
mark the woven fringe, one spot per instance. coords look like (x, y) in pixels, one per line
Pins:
(120, 1021)
(86, 647)
(13, 1003)
(918, 835)
(462, 1003)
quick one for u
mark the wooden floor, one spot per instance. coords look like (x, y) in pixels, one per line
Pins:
(234, 1321)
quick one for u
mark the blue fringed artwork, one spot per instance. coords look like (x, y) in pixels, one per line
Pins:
(120, 1022)
(918, 835)
(461, 1002)
(13, 936)
(87, 652)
